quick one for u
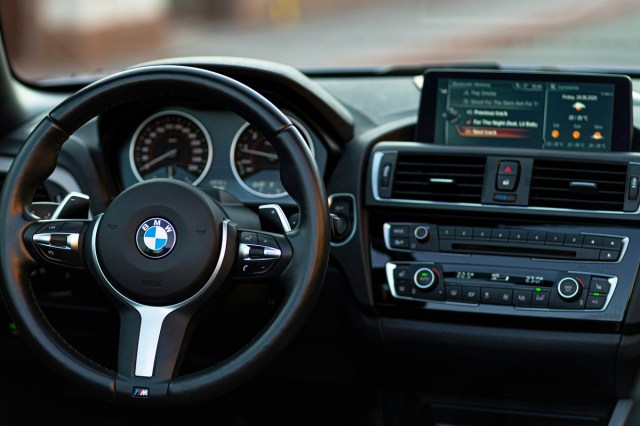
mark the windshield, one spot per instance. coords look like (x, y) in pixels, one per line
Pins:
(60, 38)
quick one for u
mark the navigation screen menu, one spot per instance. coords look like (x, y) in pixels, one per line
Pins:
(524, 114)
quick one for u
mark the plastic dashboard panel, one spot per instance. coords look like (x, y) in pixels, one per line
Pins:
(554, 220)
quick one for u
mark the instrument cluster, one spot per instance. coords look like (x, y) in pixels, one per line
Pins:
(214, 149)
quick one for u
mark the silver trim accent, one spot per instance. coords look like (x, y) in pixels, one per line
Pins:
(580, 184)
(621, 412)
(270, 253)
(232, 151)
(152, 317)
(73, 241)
(286, 226)
(442, 180)
(390, 267)
(43, 239)
(375, 170)
(183, 114)
(65, 201)
(355, 216)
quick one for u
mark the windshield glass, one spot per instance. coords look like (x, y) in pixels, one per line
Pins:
(59, 38)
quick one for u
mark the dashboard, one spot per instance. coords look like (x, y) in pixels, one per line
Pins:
(484, 259)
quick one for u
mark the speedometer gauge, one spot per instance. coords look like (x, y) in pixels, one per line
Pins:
(171, 144)
(255, 163)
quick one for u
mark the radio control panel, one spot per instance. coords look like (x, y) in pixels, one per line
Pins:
(540, 244)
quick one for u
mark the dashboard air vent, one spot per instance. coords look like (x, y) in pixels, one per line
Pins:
(445, 178)
(578, 185)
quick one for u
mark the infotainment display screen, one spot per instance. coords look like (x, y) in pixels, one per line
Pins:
(559, 111)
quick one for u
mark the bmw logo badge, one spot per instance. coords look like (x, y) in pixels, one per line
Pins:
(156, 237)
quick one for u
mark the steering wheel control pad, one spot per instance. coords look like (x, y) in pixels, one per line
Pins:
(157, 242)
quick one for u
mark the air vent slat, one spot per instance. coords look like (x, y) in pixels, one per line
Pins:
(443, 178)
(553, 184)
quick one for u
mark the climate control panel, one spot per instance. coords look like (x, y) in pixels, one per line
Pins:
(521, 289)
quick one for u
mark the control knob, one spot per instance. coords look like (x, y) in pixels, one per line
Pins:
(570, 288)
(422, 234)
(424, 278)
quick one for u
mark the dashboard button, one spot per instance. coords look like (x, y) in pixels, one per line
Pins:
(471, 294)
(608, 243)
(554, 238)
(496, 296)
(399, 230)
(500, 235)
(537, 237)
(574, 240)
(540, 299)
(399, 242)
(464, 233)
(505, 182)
(599, 285)
(522, 297)
(454, 292)
(517, 235)
(592, 241)
(446, 232)
(403, 288)
(511, 168)
(609, 255)
(402, 273)
(481, 233)
(595, 302)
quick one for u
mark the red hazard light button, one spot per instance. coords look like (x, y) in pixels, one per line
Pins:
(508, 168)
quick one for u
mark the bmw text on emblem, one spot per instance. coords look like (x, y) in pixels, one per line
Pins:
(156, 238)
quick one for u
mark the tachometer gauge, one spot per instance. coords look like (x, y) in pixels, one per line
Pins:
(255, 163)
(171, 144)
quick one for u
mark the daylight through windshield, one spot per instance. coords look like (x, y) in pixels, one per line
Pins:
(59, 38)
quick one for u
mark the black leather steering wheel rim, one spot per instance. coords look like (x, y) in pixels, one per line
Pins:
(36, 161)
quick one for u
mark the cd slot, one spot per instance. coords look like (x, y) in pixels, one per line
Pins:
(513, 250)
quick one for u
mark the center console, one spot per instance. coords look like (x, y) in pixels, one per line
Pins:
(519, 197)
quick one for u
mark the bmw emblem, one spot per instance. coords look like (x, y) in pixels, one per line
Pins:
(156, 237)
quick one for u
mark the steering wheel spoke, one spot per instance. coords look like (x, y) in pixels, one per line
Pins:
(262, 256)
(57, 242)
(152, 339)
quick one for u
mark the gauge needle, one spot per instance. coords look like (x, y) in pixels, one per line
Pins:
(259, 153)
(169, 154)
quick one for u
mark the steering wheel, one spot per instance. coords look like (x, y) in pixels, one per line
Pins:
(162, 247)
